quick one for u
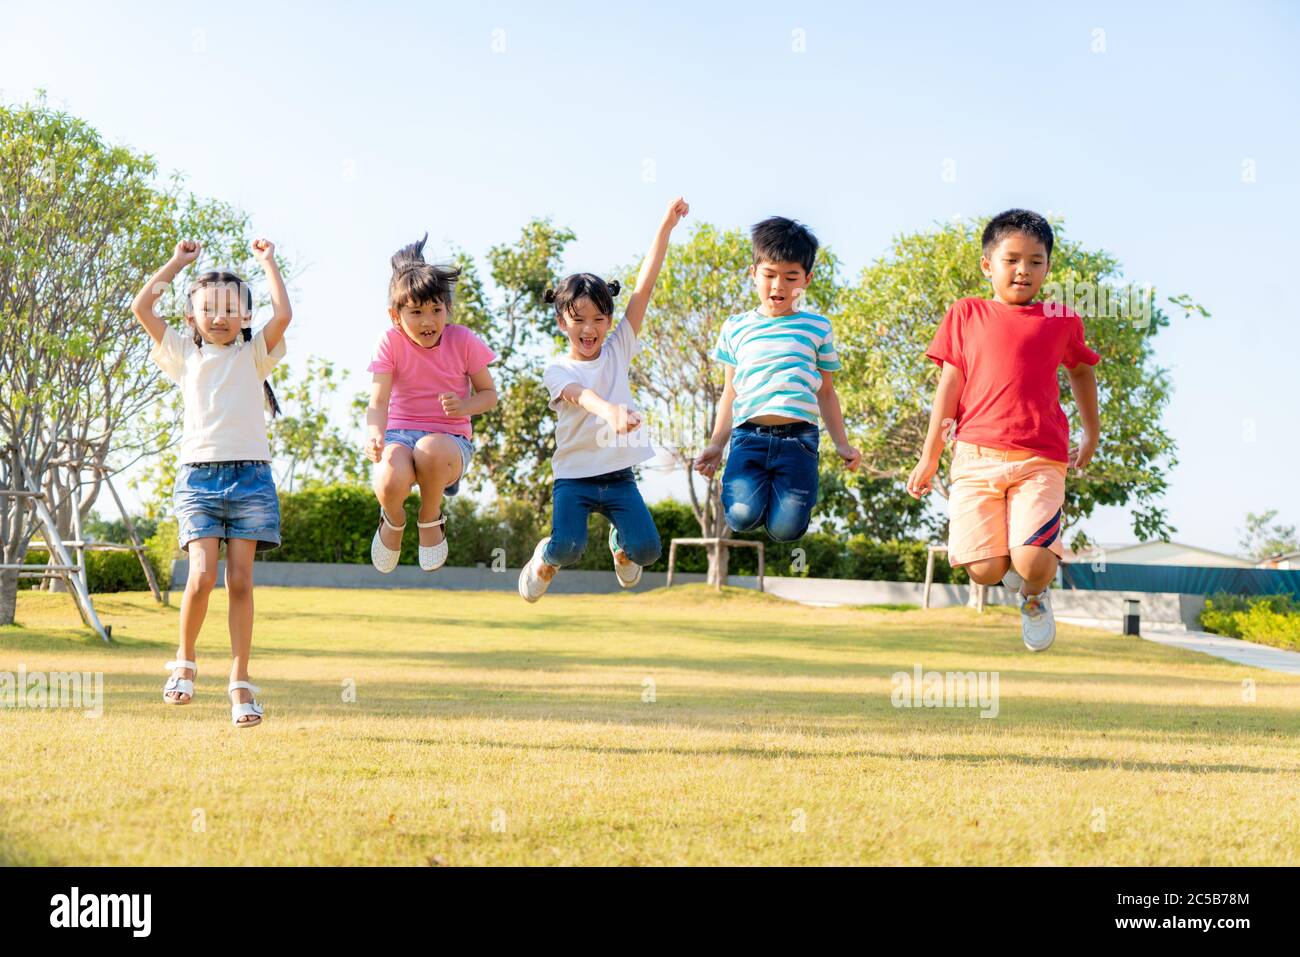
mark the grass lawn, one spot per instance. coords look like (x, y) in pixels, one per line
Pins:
(487, 731)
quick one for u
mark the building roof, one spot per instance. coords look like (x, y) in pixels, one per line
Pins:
(1160, 553)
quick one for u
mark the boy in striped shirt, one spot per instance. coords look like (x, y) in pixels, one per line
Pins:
(779, 364)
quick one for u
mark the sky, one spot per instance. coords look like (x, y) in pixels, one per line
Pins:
(1165, 134)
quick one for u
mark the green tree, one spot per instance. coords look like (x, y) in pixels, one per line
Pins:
(1264, 537)
(886, 321)
(517, 438)
(81, 222)
(308, 446)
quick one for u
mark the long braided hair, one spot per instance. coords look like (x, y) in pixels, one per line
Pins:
(227, 280)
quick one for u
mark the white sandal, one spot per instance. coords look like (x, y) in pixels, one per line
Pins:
(241, 709)
(183, 686)
(381, 556)
(433, 557)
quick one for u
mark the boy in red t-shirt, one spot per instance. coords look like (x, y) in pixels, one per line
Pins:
(999, 386)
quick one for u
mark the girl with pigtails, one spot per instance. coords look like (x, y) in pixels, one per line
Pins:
(598, 436)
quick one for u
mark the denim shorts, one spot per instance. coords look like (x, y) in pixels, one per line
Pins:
(409, 437)
(227, 500)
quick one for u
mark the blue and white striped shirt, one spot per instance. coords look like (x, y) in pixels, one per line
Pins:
(779, 362)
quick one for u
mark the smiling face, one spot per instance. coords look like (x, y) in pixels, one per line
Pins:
(219, 311)
(586, 327)
(1017, 266)
(780, 287)
(422, 322)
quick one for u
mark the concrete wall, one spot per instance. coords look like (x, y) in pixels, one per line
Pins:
(1155, 607)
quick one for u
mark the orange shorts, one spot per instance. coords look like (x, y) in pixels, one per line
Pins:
(999, 499)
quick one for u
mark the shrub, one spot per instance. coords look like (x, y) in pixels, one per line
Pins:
(105, 571)
(1267, 619)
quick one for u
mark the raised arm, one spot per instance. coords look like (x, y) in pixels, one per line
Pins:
(282, 313)
(654, 260)
(145, 304)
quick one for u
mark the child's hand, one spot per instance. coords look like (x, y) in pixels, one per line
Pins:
(707, 462)
(851, 456)
(186, 251)
(264, 251)
(1081, 454)
(624, 420)
(452, 405)
(375, 447)
(676, 210)
(920, 481)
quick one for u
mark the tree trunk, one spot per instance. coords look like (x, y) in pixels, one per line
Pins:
(719, 554)
(8, 597)
(719, 559)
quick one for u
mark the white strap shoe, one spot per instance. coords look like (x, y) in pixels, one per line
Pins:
(433, 557)
(241, 709)
(183, 686)
(381, 556)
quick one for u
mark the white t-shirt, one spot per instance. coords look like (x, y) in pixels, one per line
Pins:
(585, 445)
(225, 417)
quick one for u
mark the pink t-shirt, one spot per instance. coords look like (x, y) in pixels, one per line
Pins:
(421, 375)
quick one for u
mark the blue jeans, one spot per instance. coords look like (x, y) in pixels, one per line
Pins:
(227, 500)
(409, 437)
(613, 495)
(771, 479)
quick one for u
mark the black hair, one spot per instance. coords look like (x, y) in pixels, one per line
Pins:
(583, 285)
(416, 282)
(1017, 221)
(780, 240)
(245, 291)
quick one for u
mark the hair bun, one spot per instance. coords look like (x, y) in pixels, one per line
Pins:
(615, 287)
(548, 296)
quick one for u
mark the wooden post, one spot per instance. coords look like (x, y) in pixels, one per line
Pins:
(138, 548)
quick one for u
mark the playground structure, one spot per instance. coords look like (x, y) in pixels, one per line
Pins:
(67, 557)
(711, 542)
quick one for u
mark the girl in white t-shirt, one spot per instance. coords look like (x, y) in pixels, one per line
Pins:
(597, 433)
(224, 488)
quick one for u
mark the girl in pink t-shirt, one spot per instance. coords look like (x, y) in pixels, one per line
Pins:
(421, 401)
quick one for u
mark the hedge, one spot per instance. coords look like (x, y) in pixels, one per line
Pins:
(1267, 619)
(335, 523)
(105, 571)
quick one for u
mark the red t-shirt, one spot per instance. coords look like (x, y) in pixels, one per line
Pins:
(1009, 356)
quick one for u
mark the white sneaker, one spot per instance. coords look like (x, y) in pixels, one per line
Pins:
(1037, 623)
(628, 572)
(532, 585)
(381, 556)
(1012, 581)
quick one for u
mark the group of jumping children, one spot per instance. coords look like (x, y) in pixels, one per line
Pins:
(998, 400)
